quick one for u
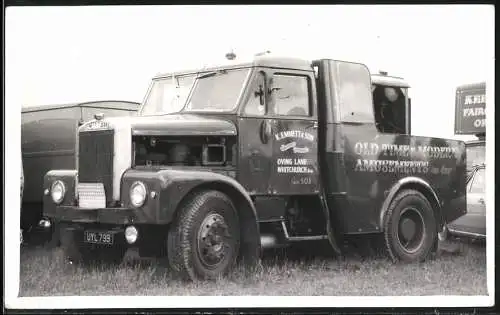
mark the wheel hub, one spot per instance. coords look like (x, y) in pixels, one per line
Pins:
(411, 230)
(212, 238)
(408, 228)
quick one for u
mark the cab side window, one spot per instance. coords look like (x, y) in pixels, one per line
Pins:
(291, 95)
(389, 106)
(256, 104)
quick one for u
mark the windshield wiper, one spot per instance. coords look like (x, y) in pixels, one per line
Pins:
(211, 74)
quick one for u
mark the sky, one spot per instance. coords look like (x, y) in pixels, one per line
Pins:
(74, 54)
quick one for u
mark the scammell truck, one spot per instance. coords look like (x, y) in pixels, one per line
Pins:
(48, 136)
(261, 154)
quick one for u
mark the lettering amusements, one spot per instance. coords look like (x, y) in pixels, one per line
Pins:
(395, 158)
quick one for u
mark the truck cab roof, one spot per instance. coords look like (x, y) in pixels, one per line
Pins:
(389, 80)
(258, 61)
(281, 62)
(111, 104)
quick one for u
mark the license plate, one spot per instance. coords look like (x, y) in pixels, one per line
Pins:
(98, 237)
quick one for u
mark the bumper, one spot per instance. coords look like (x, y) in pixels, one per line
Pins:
(115, 216)
(69, 233)
(471, 225)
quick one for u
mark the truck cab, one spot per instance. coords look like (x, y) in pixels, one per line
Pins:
(221, 163)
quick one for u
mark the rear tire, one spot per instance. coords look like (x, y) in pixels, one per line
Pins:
(204, 240)
(410, 231)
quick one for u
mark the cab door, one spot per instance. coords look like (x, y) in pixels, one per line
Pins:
(294, 129)
(255, 143)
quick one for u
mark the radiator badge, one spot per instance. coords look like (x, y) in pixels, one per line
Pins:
(97, 125)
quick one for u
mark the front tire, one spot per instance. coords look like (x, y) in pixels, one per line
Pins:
(204, 240)
(410, 231)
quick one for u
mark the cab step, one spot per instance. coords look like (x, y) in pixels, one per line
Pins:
(301, 238)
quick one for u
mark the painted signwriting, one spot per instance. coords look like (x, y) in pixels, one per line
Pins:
(294, 166)
(292, 162)
(294, 134)
(293, 146)
(470, 109)
(475, 99)
(374, 153)
(478, 114)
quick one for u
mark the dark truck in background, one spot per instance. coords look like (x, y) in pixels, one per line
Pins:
(258, 155)
(470, 119)
(48, 137)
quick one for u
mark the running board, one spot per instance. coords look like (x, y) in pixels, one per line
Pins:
(301, 238)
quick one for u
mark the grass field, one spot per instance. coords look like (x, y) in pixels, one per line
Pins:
(459, 271)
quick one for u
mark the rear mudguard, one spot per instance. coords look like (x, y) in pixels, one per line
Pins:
(417, 184)
(174, 187)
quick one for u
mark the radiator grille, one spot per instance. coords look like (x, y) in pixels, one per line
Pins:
(95, 161)
(91, 196)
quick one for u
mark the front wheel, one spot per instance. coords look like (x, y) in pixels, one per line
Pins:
(410, 231)
(204, 241)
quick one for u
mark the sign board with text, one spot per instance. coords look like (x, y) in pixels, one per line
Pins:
(470, 109)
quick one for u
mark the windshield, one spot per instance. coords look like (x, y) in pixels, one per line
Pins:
(217, 91)
(475, 155)
(167, 95)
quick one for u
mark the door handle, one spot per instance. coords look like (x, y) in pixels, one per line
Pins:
(265, 131)
(481, 201)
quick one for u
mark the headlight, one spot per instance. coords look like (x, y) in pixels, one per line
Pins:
(138, 194)
(57, 191)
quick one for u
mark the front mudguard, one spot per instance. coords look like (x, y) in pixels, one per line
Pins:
(68, 177)
(167, 190)
(171, 188)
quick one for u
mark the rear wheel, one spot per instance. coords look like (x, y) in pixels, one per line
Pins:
(410, 232)
(204, 241)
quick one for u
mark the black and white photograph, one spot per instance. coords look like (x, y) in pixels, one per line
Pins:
(174, 156)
